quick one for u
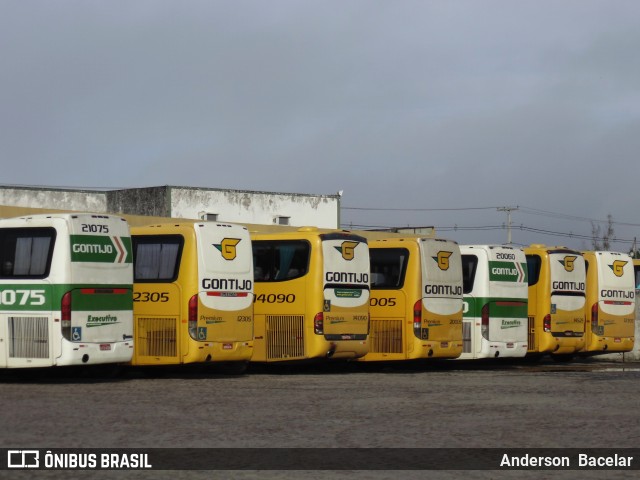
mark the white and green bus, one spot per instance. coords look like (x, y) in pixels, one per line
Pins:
(66, 290)
(495, 294)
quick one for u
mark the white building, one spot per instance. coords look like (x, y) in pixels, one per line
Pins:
(241, 206)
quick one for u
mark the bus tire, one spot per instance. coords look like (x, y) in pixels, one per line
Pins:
(232, 368)
(562, 358)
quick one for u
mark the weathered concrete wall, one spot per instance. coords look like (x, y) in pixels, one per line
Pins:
(184, 202)
(256, 207)
(60, 199)
(152, 201)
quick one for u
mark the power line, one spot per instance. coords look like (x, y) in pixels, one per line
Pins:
(523, 209)
(373, 209)
(461, 228)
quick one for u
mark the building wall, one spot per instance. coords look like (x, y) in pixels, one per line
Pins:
(153, 201)
(185, 202)
(60, 199)
(256, 207)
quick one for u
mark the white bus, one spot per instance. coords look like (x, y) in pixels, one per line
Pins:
(495, 302)
(66, 283)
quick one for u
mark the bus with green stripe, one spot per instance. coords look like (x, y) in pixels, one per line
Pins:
(495, 294)
(66, 290)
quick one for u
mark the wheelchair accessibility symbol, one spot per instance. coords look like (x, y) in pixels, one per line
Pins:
(76, 334)
(202, 333)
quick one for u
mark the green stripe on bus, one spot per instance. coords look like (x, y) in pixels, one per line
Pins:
(46, 297)
(499, 307)
(507, 271)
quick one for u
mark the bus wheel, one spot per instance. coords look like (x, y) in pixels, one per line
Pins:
(562, 358)
(532, 358)
(231, 368)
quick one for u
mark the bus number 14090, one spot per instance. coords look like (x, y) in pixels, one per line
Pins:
(273, 298)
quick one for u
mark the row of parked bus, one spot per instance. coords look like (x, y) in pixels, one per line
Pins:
(88, 289)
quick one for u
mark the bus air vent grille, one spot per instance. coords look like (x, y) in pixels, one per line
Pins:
(385, 336)
(531, 339)
(285, 337)
(157, 337)
(28, 337)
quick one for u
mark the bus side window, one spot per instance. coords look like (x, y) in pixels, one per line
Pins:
(26, 253)
(262, 261)
(533, 266)
(388, 267)
(377, 279)
(156, 258)
(469, 265)
(276, 261)
(7, 268)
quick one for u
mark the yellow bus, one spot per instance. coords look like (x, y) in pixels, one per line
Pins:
(557, 283)
(193, 294)
(416, 301)
(610, 308)
(311, 294)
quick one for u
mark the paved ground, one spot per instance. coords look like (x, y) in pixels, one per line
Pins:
(582, 404)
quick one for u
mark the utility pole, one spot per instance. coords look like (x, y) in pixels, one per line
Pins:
(508, 210)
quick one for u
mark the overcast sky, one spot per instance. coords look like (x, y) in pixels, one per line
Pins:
(406, 106)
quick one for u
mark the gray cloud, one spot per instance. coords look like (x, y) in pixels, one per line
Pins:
(408, 104)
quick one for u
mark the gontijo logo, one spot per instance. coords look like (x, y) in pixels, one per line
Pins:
(442, 259)
(100, 248)
(567, 262)
(618, 267)
(347, 249)
(506, 272)
(228, 248)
